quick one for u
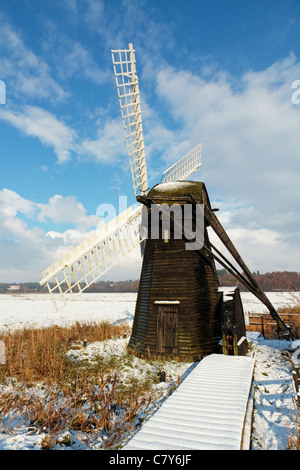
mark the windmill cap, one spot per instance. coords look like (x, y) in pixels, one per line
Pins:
(178, 189)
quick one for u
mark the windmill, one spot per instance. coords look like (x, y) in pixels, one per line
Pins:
(180, 309)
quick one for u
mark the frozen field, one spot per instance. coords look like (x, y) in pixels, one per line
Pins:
(26, 310)
(274, 413)
(278, 299)
(37, 310)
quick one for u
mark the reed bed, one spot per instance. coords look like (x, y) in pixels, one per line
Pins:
(49, 393)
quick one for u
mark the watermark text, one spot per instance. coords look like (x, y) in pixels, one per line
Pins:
(2, 92)
(160, 221)
(296, 94)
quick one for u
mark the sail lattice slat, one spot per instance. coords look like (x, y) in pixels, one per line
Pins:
(129, 97)
(86, 263)
(185, 167)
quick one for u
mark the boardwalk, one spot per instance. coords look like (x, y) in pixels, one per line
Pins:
(206, 412)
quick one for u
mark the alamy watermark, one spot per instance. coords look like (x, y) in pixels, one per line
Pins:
(183, 221)
(161, 221)
(296, 94)
(2, 92)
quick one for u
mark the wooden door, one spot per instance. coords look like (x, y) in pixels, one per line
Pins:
(167, 328)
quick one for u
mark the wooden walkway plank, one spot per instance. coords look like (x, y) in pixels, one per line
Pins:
(208, 410)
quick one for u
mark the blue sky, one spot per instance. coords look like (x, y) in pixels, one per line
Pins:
(216, 72)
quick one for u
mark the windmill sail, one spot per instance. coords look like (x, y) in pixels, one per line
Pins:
(185, 167)
(86, 263)
(129, 97)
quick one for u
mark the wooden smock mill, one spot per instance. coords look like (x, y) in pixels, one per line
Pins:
(180, 311)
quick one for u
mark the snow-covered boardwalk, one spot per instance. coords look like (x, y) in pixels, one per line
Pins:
(207, 411)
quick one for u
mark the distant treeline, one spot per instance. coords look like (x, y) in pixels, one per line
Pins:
(275, 281)
(102, 286)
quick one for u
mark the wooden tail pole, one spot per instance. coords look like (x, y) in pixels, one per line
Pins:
(256, 289)
(249, 281)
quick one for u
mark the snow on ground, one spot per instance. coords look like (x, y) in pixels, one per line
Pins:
(37, 310)
(279, 299)
(274, 414)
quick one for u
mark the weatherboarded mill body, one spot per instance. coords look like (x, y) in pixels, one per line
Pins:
(180, 310)
(178, 293)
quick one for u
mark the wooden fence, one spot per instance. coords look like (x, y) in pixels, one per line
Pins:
(265, 324)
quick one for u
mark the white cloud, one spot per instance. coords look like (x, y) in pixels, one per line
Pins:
(251, 140)
(249, 129)
(59, 210)
(106, 146)
(24, 72)
(37, 122)
(26, 248)
(94, 12)
(21, 248)
(77, 62)
(11, 203)
(66, 210)
(261, 249)
(248, 125)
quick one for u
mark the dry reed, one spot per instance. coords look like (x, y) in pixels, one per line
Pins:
(53, 394)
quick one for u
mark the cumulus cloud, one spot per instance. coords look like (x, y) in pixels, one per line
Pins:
(28, 75)
(25, 72)
(59, 209)
(261, 248)
(37, 122)
(77, 62)
(27, 248)
(248, 125)
(106, 146)
(11, 203)
(250, 161)
(66, 210)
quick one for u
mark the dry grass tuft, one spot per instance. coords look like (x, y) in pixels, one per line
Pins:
(52, 394)
(35, 355)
